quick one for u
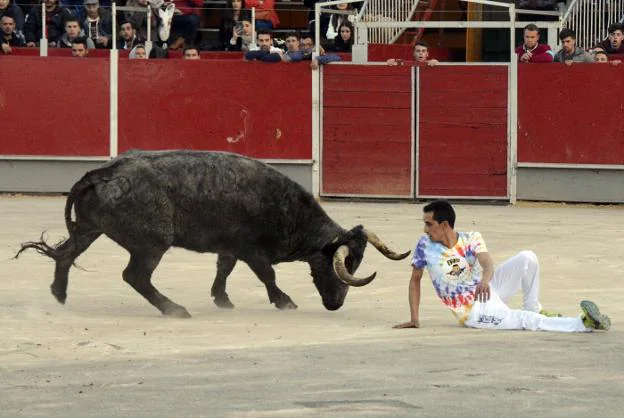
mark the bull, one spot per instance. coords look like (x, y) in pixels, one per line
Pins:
(217, 202)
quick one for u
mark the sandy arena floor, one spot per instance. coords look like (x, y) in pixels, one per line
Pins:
(107, 352)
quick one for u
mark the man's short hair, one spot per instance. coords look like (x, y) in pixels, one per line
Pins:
(614, 27)
(129, 21)
(531, 27)
(81, 40)
(421, 43)
(291, 34)
(8, 15)
(600, 52)
(190, 48)
(265, 32)
(71, 19)
(442, 211)
(567, 33)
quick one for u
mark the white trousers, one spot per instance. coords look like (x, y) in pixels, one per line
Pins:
(520, 271)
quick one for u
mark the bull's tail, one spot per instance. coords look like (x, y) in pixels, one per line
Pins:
(57, 251)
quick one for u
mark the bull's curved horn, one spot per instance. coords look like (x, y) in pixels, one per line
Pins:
(341, 270)
(374, 239)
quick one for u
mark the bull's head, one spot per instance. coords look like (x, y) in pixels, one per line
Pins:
(334, 272)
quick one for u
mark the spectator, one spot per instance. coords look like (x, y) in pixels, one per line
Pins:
(138, 52)
(570, 53)
(79, 47)
(266, 18)
(343, 42)
(97, 24)
(308, 50)
(241, 40)
(421, 56)
(10, 37)
(180, 22)
(265, 51)
(531, 50)
(336, 20)
(140, 18)
(6, 8)
(128, 38)
(293, 52)
(601, 56)
(55, 23)
(191, 53)
(73, 31)
(232, 21)
(613, 44)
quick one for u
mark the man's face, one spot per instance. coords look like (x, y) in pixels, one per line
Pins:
(308, 44)
(50, 3)
(568, 45)
(237, 4)
(421, 54)
(79, 50)
(530, 38)
(292, 43)
(191, 54)
(4, 4)
(264, 41)
(140, 53)
(342, 6)
(127, 31)
(615, 38)
(8, 25)
(434, 229)
(601, 58)
(72, 29)
(92, 9)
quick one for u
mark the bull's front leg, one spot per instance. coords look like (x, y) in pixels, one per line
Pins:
(225, 265)
(266, 274)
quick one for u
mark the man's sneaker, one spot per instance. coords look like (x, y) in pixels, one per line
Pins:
(165, 21)
(592, 318)
(550, 314)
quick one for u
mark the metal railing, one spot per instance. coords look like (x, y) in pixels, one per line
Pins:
(387, 11)
(591, 18)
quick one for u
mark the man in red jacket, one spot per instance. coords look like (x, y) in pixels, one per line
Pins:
(531, 50)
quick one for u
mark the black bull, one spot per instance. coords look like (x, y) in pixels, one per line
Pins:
(223, 203)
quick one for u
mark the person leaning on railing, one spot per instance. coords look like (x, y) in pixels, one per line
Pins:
(613, 44)
(531, 50)
(6, 8)
(601, 57)
(421, 56)
(10, 37)
(569, 52)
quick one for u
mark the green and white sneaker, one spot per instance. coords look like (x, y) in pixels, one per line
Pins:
(592, 318)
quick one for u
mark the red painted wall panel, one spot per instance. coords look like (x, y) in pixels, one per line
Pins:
(570, 114)
(367, 137)
(257, 109)
(463, 131)
(54, 106)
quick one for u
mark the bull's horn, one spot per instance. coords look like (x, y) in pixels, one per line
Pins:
(374, 239)
(341, 270)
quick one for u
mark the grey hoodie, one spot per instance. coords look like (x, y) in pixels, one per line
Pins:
(579, 55)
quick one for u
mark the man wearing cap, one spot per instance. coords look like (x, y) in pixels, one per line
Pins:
(97, 24)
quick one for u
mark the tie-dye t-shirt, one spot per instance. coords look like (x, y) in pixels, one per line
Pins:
(455, 272)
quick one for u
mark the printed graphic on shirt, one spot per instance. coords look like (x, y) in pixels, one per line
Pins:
(454, 272)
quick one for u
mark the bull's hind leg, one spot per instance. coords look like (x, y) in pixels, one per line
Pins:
(67, 252)
(266, 274)
(225, 265)
(138, 274)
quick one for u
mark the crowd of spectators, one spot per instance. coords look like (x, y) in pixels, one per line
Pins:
(88, 24)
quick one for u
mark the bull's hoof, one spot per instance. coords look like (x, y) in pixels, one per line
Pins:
(224, 303)
(286, 304)
(176, 312)
(60, 296)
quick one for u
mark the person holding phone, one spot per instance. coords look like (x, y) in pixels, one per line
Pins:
(232, 29)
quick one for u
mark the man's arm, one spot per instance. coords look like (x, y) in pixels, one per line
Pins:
(482, 291)
(414, 300)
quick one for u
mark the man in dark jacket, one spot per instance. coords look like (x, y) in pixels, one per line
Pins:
(9, 36)
(613, 44)
(55, 23)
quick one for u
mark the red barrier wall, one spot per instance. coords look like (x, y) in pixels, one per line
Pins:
(257, 109)
(463, 131)
(367, 136)
(570, 114)
(54, 106)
